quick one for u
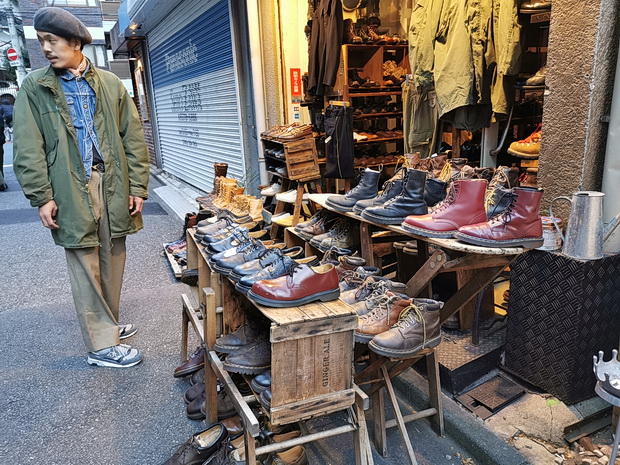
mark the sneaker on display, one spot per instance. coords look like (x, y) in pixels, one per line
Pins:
(272, 190)
(119, 356)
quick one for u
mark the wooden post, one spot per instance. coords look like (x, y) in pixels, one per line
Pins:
(209, 325)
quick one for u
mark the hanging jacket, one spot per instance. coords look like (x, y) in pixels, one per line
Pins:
(48, 164)
(468, 48)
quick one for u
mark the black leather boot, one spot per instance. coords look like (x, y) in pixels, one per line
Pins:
(435, 191)
(391, 189)
(366, 189)
(497, 201)
(409, 202)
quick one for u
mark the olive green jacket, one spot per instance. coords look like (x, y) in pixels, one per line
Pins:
(48, 164)
(467, 50)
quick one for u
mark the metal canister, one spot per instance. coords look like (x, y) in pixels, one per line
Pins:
(551, 236)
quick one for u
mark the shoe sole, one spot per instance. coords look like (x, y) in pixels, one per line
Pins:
(225, 349)
(530, 243)
(188, 372)
(257, 388)
(244, 290)
(339, 208)
(245, 370)
(383, 219)
(408, 353)
(221, 270)
(101, 363)
(516, 153)
(324, 296)
(363, 338)
(428, 233)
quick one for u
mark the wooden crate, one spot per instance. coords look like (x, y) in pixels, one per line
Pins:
(302, 162)
(311, 359)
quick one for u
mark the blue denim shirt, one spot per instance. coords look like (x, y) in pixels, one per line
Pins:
(81, 100)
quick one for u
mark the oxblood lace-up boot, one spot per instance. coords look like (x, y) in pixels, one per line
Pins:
(519, 225)
(464, 205)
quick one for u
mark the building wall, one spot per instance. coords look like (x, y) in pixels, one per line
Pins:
(583, 48)
(90, 16)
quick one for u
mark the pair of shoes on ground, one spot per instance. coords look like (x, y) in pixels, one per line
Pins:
(118, 356)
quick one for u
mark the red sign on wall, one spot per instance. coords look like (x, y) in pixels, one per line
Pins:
(295, 82)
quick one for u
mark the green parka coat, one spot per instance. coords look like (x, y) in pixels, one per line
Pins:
(48, 164)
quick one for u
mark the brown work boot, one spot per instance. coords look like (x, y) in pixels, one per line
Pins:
(381, 318)
(417, 329)
(349, 36)
(519, 225)
(464, 205)
(529, 178)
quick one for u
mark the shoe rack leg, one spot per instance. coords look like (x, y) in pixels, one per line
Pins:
(366, 243)
(250, 447)
(300, 196)
(363, 452)
(434, 391)
(209, 325)
(399, 416)
(184, 332)
(378, 416)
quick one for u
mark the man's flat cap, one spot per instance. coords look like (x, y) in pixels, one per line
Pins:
(62, 23)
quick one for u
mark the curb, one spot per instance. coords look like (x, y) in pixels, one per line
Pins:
(485, 447)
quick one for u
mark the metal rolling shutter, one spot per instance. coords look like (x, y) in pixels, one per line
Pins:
(196, 99)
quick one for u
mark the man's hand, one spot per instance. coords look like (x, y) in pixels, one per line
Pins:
(135, 205)
(47, 212)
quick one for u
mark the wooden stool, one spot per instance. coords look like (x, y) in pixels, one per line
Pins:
(387, 369)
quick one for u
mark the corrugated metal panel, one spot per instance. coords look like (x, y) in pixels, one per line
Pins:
(196, 99)
(120, 68)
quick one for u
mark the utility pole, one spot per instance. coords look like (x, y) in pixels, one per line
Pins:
(21, 71)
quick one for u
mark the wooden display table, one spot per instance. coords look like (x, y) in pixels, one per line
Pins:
(311, 360)
(488, 262)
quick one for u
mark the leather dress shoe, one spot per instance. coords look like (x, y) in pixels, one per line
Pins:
(241, 337)
(195, 362)
(225, 406)
(270, 256)
(196, 390)
(417, 328)
(255, 250)
(200, 447)
(209, 229)
(193, 410)
(238, 236)
(234, 426)
(197, 377)
(251, 359)
(261, 382)
(265, 399)
(279, 268)
(302, 285)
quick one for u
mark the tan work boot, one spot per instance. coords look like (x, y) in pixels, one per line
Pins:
(381, 318)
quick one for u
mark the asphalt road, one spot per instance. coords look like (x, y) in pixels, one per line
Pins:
(55, 409)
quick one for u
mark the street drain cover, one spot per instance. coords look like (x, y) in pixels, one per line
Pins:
(486, 399)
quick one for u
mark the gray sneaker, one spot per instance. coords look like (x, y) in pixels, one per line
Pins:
(125, 331)
(120, 356)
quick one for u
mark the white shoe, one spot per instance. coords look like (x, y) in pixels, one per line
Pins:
(282, 171)
(358, 137)
(272, 190)
(280, 216)
(290, 196)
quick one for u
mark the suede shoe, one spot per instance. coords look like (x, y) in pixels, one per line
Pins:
(381, 318)
(417, 328)
(251, 359)
(200, 447)
(365, 189)
(195, 362)
(302, 285)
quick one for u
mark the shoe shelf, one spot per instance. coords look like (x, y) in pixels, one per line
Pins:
(380, 139)
(379, 114)
(311, 360)
(352, 93)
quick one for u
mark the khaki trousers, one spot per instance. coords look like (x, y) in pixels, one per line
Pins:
(96, 275)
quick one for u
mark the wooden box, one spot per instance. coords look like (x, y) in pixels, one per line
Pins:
(302, 163)
(311, 359)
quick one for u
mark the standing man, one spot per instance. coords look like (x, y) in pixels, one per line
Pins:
(81, 159)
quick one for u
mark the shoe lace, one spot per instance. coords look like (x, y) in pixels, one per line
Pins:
(270, 255)
(449, 200)
(358, 186)
(446, 172)
(376, 292)
(410, 316)
(352, 278)
(381, 308)
(505, 216)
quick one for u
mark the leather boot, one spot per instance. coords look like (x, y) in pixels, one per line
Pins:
(519, 225)
(464, 205)
(530, 178)
(417, 329)
(498, 201)
(459, 169)
(391, 189)
(505, 178)
(371, 31)
(381, 318)
(435, 191)
(367, 188)
(349, 35)
(410, 201)
(221, 169)
(438, 163)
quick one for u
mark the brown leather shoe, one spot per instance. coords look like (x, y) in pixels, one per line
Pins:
(200, 447)
(464, 205)
(381, 318)
(195, 362)
(233, 426)
(252, 359)
(417, 328)
(304, 284)
(242, 336)
(294, 456)
(519, 225)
